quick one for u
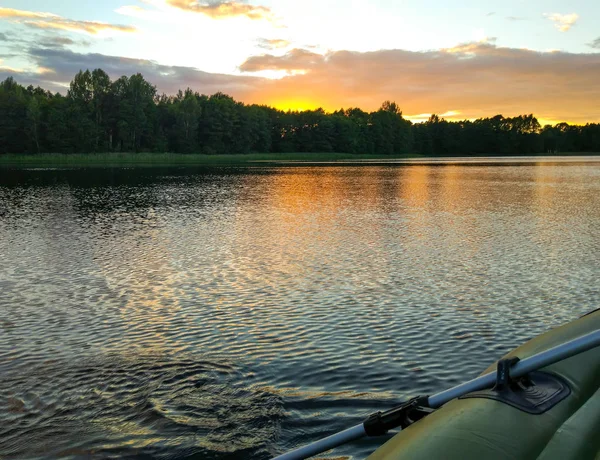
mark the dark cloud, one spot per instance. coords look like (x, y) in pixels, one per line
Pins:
(47, 40)
(475, 79)
(31, 78)
(6, 72)
(65, 64)
(221, 10)
(595, 44)
(491, 13)
(15, 42)
(60, 41)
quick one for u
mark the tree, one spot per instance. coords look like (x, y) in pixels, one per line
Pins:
(34, 117)
(127, 115)
(184, 110)
(133, 112)
(101, 90)
(13, 117)
(218, 120)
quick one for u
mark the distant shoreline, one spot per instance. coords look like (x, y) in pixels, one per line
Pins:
(178, 159)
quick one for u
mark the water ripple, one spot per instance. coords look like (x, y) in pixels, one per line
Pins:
(238, 312)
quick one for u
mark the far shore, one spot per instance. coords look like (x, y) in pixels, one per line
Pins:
(177, 159)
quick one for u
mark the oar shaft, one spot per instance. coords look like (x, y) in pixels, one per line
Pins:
(543, 359)
(343, 437)
(538, 361)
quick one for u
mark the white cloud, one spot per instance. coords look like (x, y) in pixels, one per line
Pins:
(42, 20)
(563, 22)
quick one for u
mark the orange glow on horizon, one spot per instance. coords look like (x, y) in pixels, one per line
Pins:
(295, 105)
(302, 105)
(549, 121)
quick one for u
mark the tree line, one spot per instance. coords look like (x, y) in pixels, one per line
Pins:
(128, 115)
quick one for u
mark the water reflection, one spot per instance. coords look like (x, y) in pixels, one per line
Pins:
(239, 311)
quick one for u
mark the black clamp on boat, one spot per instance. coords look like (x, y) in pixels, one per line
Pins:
(534, 393)
(404, 415)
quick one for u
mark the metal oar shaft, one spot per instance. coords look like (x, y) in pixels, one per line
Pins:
(543, 359)
(343, 437)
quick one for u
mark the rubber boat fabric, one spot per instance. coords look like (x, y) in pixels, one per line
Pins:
(479, 427)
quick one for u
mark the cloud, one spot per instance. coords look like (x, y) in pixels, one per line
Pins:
(47, 39)
(26, 78)
(59, 41)
(470, 81)
(14, 42)
(65, 64)
(595, 44)
(274, 43)
(20, 14)
(9, 70)
(476, 79)
(62, 41)
(16, 45)
(563, 22)
(222, 10)
(293, 61)
(42, 20)
(516, 18)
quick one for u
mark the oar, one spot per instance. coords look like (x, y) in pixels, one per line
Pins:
(380, 422)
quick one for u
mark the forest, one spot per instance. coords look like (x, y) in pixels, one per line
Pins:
(128, 115)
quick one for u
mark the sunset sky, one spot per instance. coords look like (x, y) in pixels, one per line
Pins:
(461, 59)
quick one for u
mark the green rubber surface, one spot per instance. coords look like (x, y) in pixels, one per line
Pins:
(487, 429)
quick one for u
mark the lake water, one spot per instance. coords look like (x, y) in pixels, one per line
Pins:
(239, 312)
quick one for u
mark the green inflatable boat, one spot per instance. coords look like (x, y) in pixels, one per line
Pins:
(481, 426)
(540, 401)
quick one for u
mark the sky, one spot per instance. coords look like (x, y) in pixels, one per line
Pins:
(459, 59)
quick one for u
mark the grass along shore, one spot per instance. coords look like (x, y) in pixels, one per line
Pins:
(167, 159)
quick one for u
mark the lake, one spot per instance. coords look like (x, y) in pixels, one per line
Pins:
(238, 312)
